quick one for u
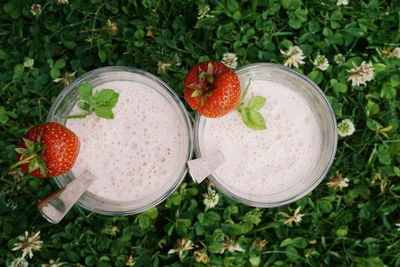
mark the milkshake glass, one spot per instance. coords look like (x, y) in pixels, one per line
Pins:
(139, 157)
(284, 162)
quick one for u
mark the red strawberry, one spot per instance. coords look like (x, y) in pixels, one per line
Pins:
(46, 200)
(212, 89)
(49, 149)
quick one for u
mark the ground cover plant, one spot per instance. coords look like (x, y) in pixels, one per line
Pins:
(350, 48)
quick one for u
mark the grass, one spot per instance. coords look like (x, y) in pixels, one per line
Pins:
(352, 226)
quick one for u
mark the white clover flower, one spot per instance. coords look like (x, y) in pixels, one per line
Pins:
(53, 263)
(230, 60)
(16, 174)
(338, 181)
(321, 62)
(259, 244)
(62, 2)
(202, 11)
(183, 245)
(211, 199)
(19, 262)
(294, 56)
(36, 9)
(163, 67)
(231, 246)
(342, 2)
(177, 60)
(28, 244)
(339, 58)
(111, 230)
(130, 261)
(111, 27)
(295, 218)
(361, 74)
(345, 128)
(12, 204)
(66, 79)
(235, 247)
(28, 62)
(396, 52)
(201, 256)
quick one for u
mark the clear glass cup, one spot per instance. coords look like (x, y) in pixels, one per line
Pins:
(324, 114)
(68, 98)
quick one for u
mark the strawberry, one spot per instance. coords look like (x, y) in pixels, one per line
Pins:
(48, 149)
(45, 201)
(212, 89)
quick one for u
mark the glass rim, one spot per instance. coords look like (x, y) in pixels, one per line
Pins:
(183, 111)
(334, 137)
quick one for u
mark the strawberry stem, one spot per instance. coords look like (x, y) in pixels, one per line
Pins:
(25, 160)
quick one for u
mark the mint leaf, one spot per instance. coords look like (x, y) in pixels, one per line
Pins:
(103, 96)
(245, 115)
(257, 102)
(104, 112)
(251, 118)
(101, 103)
(258, 120)
(80, 116)
(245, 91)
(85, 106)
(113, 100)
(85, 92)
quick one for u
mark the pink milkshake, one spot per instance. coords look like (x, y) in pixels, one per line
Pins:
(136, 152)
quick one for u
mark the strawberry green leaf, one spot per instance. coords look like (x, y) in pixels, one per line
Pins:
(21, 150)
(191, 86)
(42, 170)
(33, 165)
(29, 144)
(42, 167)
(85, 92)
(203, 100)
(210, 68)
(257, 102)
(196, 93)
(201, 75)
(104, 112)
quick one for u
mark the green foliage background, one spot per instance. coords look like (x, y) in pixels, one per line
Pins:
(350, 227)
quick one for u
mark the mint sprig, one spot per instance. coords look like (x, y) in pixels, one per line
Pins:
(250, 115)
(101, 103)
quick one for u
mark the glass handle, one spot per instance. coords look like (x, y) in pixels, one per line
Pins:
(56, 206)
(201, 168)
